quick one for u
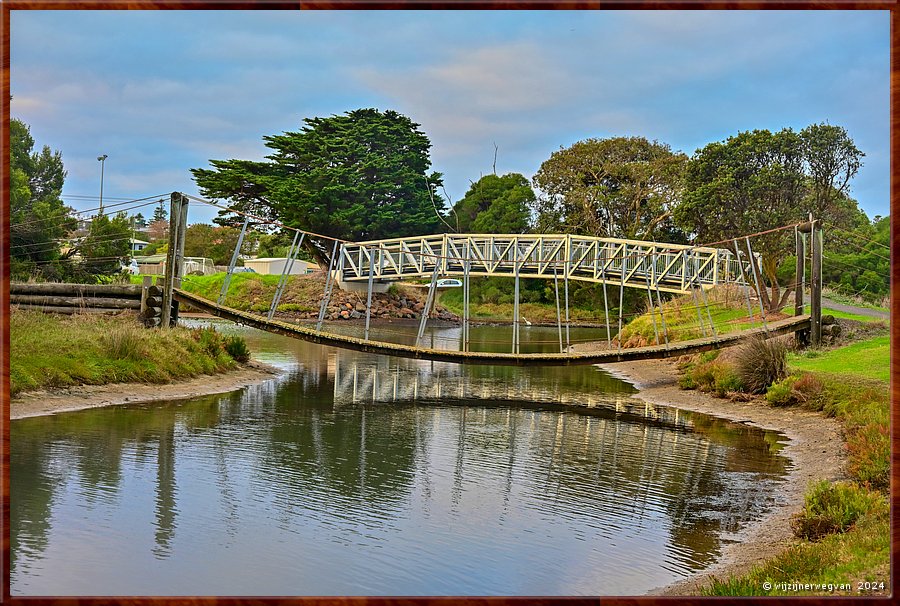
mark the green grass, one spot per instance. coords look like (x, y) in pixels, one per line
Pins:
(855, 390)
(48, 351)
(254, 292)
(726, 309)
(867, 359)
(846, 315)
(861, 554)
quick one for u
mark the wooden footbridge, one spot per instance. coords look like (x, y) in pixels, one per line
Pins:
(653, 267)
(307, 333)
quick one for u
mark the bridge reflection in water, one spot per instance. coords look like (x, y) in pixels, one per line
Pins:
(296, 482)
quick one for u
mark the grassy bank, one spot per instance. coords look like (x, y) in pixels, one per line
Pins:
(60, 351)
(843, 531)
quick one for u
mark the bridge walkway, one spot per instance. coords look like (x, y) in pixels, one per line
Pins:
(780, 327)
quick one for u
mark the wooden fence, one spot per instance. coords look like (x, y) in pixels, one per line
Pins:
(62, 298)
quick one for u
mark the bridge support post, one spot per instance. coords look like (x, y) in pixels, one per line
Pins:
(174, 256)
(815, 286)
(369, 295)
(234, 257)
(515, 337)
(329, 285)
(466, 268)
(179, 253)
(286, 272)
(558, 314)
(801, 336)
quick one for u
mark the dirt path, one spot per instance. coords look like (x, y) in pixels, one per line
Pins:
(40, 403)
(816, 450)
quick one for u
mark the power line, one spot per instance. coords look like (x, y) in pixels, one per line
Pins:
(78, 212)
(858, 235)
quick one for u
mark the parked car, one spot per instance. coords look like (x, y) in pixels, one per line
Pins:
(243, 270)
(447, 283)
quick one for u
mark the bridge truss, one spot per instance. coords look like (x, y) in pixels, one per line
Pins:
(670, 268)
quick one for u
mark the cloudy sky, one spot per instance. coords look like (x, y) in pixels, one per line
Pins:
(161, 92)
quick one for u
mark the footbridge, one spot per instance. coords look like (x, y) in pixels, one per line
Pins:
(673, 268)
(309, 333)
(652, 267)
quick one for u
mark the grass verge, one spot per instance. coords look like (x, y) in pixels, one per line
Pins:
(60, 351)
(845, 526)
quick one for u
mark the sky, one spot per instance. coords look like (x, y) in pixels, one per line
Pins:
(161, 92)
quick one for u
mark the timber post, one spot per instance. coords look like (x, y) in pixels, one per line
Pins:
(815, 286)
(801, 336)
(168, 279)
(174, 257)
(814, 229)
(179, 252)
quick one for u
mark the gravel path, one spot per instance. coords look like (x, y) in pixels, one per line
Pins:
(852, 309)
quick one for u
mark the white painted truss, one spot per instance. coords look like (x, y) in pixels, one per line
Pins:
(633, 263)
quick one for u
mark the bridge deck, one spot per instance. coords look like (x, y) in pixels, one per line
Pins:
(780, 327)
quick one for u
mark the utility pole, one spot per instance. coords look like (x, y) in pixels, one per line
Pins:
(102, 160)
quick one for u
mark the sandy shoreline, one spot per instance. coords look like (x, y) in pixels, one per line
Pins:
(815, 448)
(41, 403)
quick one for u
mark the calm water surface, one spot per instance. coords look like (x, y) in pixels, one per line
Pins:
(354, 474)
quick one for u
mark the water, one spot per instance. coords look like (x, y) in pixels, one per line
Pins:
(354, 474)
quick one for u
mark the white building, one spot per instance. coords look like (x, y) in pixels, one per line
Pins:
(275, 266)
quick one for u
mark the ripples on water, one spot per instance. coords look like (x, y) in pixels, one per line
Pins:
(360, 475)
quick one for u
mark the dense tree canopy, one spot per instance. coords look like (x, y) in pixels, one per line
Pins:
(38, 217)
(758, 180)
(216, 243)
(831, 161)
(108, 244)
(622, 187)
(493, 204)
(361, 175)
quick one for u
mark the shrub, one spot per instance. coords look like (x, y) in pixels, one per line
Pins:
(782, 392)
(237, 348)
(727, 380)
(716, 376)
(807, 387)
(829, 508)
(686, 381)
(761, 362)
(123, 343)
(210, 341)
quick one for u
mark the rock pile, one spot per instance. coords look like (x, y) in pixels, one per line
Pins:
(351, 306)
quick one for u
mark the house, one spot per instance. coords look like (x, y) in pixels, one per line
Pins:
(155, 265)
(275, 266)
(138, 245)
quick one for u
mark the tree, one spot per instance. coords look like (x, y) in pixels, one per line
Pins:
(38, 217)
(754, 182)
(495, 204)
(108, 245)
(622, 187)
(216, 243)
(158, 229)
(832, 160)
(159, 213)
(358, 176)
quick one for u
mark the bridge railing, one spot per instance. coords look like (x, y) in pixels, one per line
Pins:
(668, 267)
